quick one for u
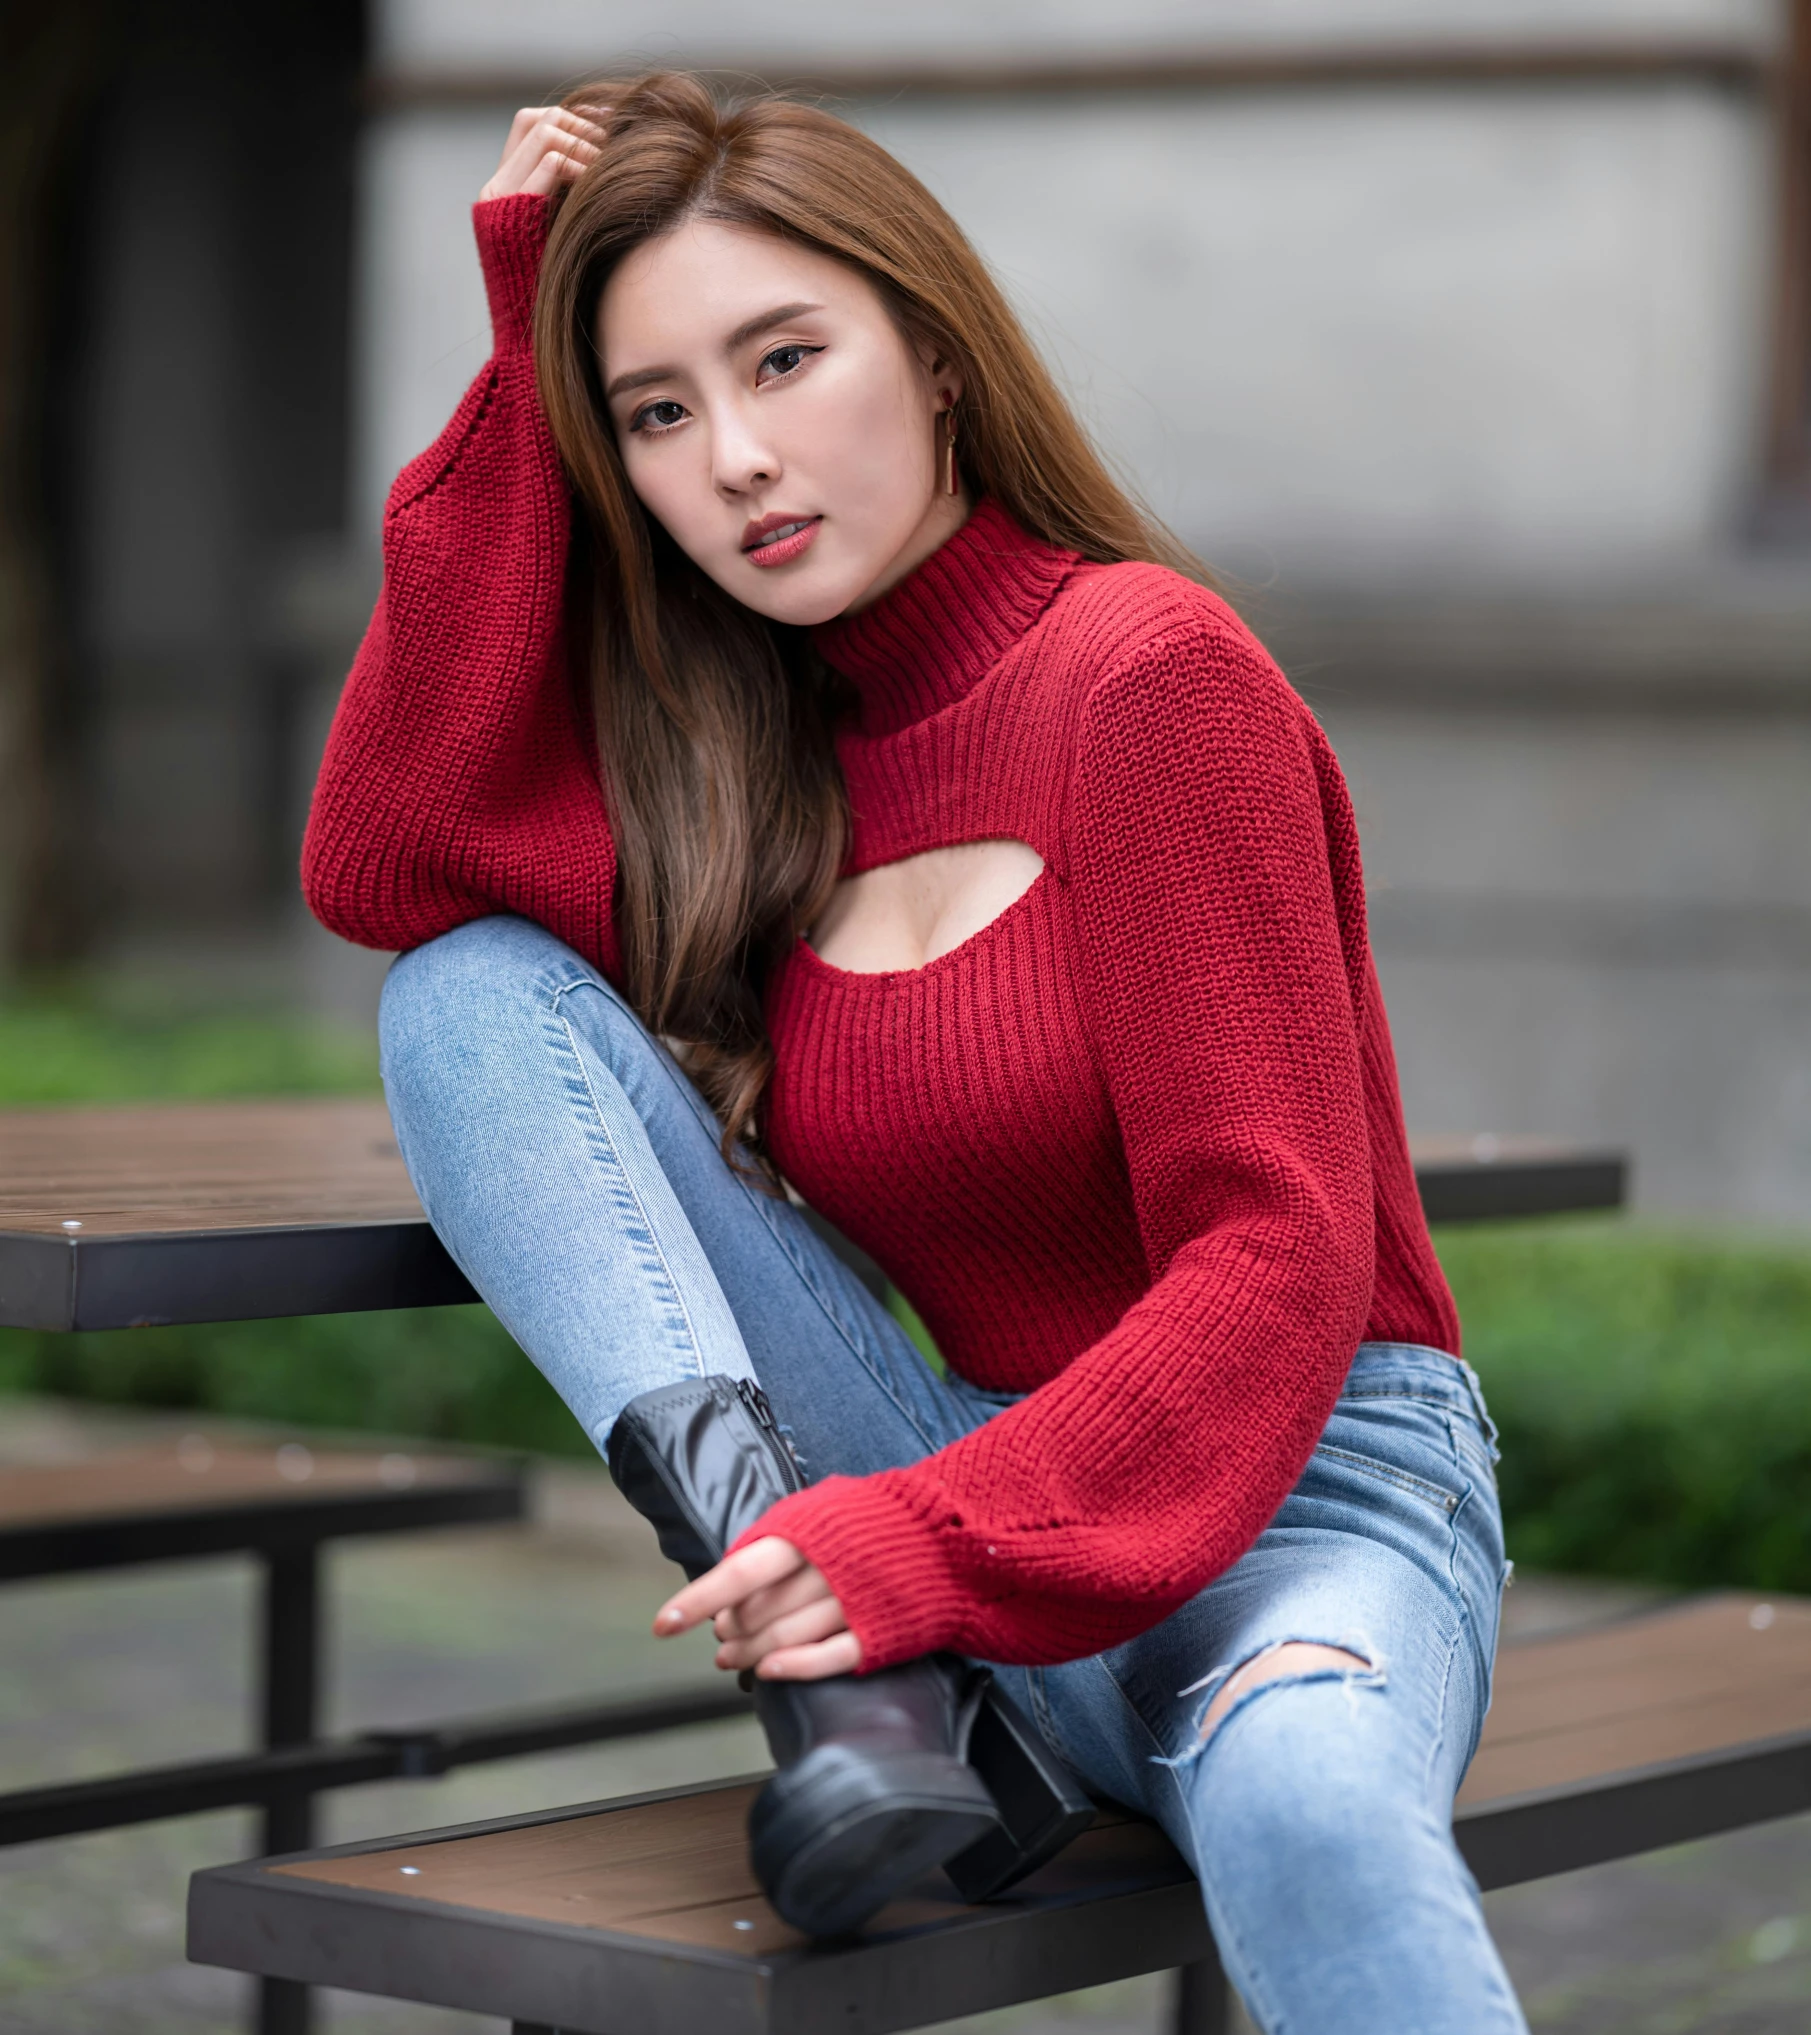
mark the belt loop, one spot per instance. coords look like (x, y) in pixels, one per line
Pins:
(1475, 1386)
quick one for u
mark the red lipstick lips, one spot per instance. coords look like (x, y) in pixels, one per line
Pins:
(777, 540)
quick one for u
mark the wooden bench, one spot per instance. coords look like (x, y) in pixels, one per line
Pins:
(181, 1213)
(194, 1499)
(642, 1918)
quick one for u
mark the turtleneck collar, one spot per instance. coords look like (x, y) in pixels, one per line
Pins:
(928, 642)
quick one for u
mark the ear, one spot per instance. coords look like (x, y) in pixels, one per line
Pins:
(943, 376)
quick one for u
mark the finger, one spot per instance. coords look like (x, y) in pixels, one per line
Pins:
(560, 165)
(553, 137)
(527, 118)
(821, 1612)
(568, 120)
(537, 133)
(822, 1620)
(559, 121)
(554, 169)
(762, 1607)
(838, 1656)
(761, 1563)
(519, 164)
(528, 159)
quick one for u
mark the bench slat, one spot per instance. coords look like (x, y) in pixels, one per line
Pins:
(621, 1918)
(1664, 1686)
(677, 1871)
(168, 1502)
(179, 1479)
(354, 1919)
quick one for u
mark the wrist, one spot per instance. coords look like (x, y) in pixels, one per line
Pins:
(511, 233)
(888, 1569)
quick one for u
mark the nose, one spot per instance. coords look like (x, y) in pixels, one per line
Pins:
(743, 461)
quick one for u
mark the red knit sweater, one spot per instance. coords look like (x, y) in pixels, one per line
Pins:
(1135, 1148)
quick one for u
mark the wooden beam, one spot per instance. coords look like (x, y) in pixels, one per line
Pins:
(1789, 404)
(1725, 64)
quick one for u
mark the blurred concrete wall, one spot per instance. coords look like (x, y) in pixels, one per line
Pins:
(1401, 332)
(1462, 385)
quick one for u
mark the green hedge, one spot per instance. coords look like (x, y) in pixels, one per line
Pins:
(449, 1373)
(1653, 1387)
(1654, 1395)
(67, 1047)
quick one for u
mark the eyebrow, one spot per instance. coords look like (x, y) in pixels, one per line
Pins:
(750, 328)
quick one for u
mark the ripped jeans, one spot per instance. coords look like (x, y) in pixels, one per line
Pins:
(574, 1174)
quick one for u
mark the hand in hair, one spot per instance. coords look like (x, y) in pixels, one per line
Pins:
(772, 1611)
(548, 146)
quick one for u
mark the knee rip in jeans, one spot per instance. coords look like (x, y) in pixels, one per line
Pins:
(1284, 1663)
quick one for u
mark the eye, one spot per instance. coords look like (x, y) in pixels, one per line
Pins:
(659, 416)
(784, 360)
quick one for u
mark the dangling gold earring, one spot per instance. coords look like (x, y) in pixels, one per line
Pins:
(952, 481)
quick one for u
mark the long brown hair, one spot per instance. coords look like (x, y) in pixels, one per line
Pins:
(714, 726)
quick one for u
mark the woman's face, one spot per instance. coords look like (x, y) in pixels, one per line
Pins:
(774, 420)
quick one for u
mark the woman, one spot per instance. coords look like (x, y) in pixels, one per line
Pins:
(858, 738)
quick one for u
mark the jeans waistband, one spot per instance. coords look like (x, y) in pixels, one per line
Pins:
(1414, 1371)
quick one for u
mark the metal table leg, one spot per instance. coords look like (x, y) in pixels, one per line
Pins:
(291, 1692)
(1203, 2000)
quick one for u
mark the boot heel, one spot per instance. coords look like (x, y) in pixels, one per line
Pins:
(1042, 1806)
(837, 1835)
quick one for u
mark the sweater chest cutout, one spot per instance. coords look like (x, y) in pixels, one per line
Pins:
(914, 912)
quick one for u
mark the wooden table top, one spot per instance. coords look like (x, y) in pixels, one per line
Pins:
(241, 1210)
(189, 1168)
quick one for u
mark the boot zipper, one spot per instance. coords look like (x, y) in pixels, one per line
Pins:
(755, 1400)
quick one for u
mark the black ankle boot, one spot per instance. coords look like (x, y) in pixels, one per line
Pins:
(873, 1786)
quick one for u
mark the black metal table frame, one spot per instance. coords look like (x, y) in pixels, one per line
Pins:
(293, 1765)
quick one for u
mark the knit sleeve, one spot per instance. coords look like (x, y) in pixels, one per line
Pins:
(459, 777)
(1218, 901)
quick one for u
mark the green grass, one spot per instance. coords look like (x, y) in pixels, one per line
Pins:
(1653, 1386)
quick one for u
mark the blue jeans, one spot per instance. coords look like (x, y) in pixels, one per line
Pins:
(574, 1173)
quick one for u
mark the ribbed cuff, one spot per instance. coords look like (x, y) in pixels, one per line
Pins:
(512, 236)
(890, 1575)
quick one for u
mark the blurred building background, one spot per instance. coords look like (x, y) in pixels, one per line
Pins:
(1470, 340)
